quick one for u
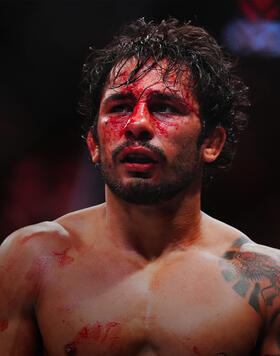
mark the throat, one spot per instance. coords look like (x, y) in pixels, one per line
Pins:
(152, 239)
(152, 231)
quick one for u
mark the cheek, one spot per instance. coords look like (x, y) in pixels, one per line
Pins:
(184, 135)
(111, 130)
(165, 128)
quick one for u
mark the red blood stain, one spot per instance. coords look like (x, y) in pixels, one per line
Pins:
(62, 258)
(84, 333)
(27, 238)
(108, 327)
(37, 271)
(115, 126)
(98, 333)
(196, 351)
(38, 267)
(4, 325)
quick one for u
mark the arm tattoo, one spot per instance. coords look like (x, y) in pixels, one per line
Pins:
(253, 275)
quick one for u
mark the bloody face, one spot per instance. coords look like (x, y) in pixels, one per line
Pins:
(148, 135)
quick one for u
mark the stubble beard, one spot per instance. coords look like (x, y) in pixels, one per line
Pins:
(185, 168)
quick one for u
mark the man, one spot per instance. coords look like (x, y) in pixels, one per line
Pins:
(147, 273)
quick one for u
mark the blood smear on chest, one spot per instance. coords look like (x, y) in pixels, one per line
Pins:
(62, 258)
(108, 333)
(196, 350)
(4, 325)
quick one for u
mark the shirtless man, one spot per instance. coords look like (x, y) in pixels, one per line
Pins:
(147, 273)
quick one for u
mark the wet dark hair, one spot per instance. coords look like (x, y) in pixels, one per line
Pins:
(221, 94)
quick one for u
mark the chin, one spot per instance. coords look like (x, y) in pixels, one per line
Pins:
(142, 191)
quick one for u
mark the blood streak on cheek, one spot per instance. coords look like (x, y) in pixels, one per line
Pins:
(195, 350)
(96, 333)
(4, 325)
(114, 128)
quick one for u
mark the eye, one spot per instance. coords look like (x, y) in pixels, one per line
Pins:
(163, 108)
(121, 109)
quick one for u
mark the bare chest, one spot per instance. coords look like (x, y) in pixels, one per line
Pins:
(110, 309)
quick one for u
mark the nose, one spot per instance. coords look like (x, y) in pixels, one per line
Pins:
(139, 126)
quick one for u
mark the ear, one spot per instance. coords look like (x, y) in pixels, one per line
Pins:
(93, 148)
(213, 145)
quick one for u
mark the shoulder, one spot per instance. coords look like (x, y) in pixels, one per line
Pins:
(24, 256)
(220, 236)
(67, 231)
(20, 249)
(84, 225)
(254, 272)
(33, 236)
(245, 251)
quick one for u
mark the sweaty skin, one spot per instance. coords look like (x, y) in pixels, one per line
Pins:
(132, 279)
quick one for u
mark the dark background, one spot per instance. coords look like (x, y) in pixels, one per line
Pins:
(45, 167)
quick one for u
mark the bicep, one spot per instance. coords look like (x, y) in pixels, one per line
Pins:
(19, 336)
(271, 340)
(18, 331)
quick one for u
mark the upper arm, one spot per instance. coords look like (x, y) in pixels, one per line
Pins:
(271, 342)
(21, 269)
(270, 294)
(257, 268)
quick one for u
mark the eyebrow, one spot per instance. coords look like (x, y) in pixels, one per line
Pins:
(177, 99)
(118, 97)
(167, 97)
(155, 95)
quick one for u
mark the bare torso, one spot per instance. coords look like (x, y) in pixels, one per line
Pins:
(111, 306)
(94, 299)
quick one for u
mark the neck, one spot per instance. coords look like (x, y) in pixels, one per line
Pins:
(154, 230)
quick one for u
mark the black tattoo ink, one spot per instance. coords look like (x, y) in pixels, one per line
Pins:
(241, 287)
(274, 316)
(254, 298)
(253, 273)
(241, 241)
(228, 275)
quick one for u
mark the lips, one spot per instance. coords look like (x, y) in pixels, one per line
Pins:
(139, 155)
(138, 159)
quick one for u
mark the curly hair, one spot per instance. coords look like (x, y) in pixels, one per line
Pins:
(221, 94)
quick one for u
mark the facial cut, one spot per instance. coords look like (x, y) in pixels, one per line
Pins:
(148, 135)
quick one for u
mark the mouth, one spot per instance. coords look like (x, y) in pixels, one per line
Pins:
(138, 159)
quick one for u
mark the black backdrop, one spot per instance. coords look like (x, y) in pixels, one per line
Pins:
(45, 168)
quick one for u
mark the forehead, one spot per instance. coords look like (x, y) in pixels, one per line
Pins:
(157, 77)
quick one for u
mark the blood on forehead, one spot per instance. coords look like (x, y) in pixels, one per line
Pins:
(176, 79)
